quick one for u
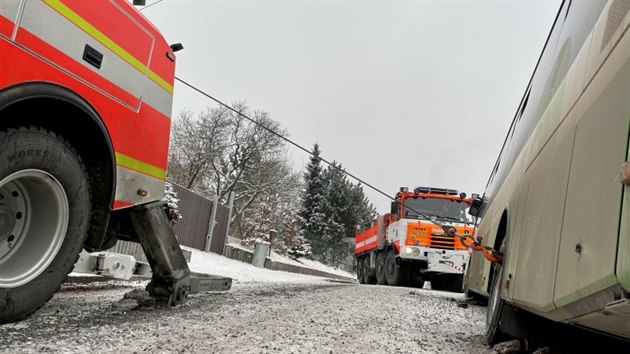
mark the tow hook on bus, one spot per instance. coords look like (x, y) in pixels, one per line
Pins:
(491, 254)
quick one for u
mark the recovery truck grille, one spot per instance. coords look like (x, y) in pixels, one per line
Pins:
(443, 242)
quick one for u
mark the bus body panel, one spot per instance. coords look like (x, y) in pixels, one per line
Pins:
(555, 184)
(586, 262)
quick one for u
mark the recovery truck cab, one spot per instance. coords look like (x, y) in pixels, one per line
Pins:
(415, 242)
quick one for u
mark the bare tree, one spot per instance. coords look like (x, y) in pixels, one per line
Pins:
(221, 152)
(188, 154)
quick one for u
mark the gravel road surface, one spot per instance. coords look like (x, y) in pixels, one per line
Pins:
(317, 317)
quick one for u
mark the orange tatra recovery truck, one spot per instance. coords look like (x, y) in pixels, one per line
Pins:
(85, 102)
(412, 244)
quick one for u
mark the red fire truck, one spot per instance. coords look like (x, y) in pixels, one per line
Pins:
(85, 102)
(417, 242)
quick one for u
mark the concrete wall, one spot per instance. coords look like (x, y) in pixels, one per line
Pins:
(247, 256)
(239, 254)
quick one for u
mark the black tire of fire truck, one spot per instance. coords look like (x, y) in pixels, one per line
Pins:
(494, 334)
(360, 270)
(380, 269)
(368, 278)
(395, 274)
(45, 207)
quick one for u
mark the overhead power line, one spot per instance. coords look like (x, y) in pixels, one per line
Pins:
(146, 7)
(282, 137)
(475, 244)
(489, 252)
(272, 131)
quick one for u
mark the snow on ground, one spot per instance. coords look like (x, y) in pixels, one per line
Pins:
(242, 272)
(303, 262)
(265, 312)
(316, 265)
(284, 318)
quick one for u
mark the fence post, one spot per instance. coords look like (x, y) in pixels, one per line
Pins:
(227, 229)
(213, 216)
(272, 239)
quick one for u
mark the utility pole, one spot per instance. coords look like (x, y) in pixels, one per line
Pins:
(229, 217)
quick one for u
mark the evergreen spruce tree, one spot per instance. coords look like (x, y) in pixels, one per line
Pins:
(337, 211)
(344, 207)
(364, 212)
(310, 213)
(332, 208)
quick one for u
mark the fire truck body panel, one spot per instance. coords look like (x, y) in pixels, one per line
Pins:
(106, 65)
(133, 99)
(366, 240)
(86, 92)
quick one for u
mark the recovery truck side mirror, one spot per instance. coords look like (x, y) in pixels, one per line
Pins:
(395, 208)
(475, 207)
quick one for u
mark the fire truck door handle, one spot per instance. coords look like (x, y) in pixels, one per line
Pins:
(92, 56)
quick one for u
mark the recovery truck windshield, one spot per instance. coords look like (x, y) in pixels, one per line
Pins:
(445, 209)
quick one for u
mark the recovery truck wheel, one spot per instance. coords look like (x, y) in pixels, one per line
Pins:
(45, 209)
(360, 270)
(380, 269)
(395, 274)
(494, 334)
(369, 279)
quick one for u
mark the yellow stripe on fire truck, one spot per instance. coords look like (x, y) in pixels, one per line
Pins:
(119, 67)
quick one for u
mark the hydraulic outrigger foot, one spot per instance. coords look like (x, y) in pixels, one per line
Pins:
(172, 280)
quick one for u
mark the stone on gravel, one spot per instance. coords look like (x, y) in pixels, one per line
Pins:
(509, 347)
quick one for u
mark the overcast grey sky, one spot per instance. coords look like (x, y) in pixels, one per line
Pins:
(402, 93)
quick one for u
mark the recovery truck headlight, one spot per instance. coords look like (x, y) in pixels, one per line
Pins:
(437, 232)
(412, 250)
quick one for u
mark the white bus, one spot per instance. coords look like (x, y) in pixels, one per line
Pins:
(557, 203)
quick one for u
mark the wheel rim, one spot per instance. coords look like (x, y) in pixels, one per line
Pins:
(34, 213)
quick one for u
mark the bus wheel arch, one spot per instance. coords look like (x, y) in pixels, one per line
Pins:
(498, 241)
(493, 331)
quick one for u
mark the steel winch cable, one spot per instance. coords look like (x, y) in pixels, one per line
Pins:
(491, 254)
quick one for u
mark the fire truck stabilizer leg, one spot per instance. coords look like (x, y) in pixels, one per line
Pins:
(171, 277)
